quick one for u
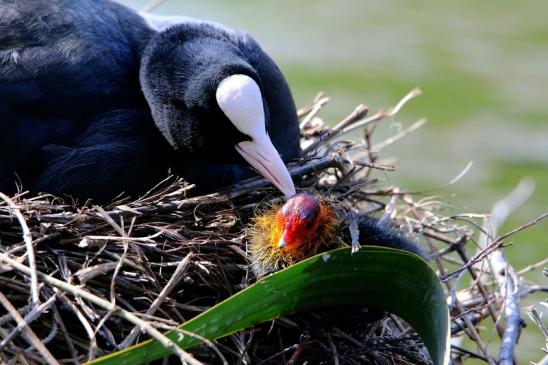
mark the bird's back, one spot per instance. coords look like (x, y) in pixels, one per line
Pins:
(68, 67)
(62, 63)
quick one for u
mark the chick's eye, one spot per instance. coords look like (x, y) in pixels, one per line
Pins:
(309, 217)
(307, 220)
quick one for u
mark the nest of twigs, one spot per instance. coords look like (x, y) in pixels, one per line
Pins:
(166, 257)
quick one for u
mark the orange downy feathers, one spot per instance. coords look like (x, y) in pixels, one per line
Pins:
(300, 226)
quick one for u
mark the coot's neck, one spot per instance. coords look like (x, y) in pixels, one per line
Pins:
(180, 71)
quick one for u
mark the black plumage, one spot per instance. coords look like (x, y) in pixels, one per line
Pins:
(94, 102)
(372, 232)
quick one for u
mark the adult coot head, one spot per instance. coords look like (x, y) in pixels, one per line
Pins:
(216, 95)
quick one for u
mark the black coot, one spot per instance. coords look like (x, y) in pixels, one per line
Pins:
(94, 101)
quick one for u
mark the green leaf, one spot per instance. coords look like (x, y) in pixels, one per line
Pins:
(374, 277)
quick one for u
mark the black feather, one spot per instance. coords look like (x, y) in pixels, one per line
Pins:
(86, 87)
(373, 233)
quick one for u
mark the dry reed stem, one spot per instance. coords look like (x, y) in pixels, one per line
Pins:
(179, 271)
(27, 332)
(503, 271)
(27, 237)
(113, 308)
(31, 316)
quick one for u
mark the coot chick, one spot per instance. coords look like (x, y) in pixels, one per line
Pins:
(306, 224)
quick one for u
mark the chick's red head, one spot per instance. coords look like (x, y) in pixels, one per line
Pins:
(298, 220)
(284, 235)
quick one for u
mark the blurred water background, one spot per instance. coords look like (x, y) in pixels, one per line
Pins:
(483, 70)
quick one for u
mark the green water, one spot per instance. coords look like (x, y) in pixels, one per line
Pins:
(483, 68)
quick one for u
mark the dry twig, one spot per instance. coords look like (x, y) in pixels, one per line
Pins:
(176, 256)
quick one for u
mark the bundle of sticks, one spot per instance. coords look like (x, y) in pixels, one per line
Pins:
(79, 281)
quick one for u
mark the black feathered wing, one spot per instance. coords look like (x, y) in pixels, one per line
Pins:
(59, 69)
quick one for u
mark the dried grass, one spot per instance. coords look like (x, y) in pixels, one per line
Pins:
(98, 276)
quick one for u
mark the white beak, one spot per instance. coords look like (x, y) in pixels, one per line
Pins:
(262, 155)
(239, 97)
